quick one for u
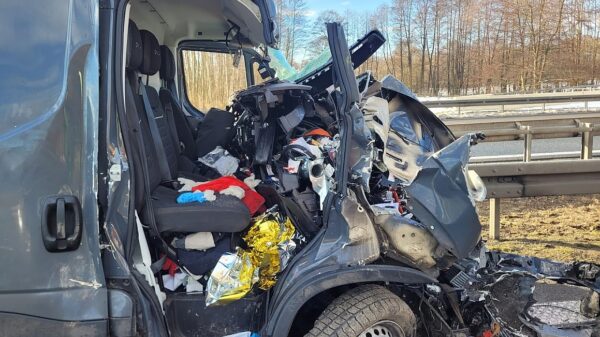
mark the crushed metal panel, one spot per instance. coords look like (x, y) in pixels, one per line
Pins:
(529, 296)
(434, 126)
(410, 239)
(440, 199)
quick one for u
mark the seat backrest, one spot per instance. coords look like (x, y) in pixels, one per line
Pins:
(137, 124)
(168, 97)
(150, 65)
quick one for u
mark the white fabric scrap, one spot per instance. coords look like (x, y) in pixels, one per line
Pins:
(199, 241)
(235, 191)
(209, 195)
(325, 143)
(193, 286)
(329, 171)
(173, 282)
(311, 148)
(251, 181)
(187, 184)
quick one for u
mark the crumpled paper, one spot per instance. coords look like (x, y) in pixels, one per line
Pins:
(269, 249)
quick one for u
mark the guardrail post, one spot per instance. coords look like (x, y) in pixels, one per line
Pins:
(494, 221)
(587, 142)
(528, 141)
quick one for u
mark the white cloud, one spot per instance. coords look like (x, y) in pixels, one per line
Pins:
(310, 13)
(345, 3)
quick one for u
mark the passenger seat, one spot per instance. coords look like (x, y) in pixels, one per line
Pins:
(168, 97)
(226, 214)
(216, 129)
(178, 164)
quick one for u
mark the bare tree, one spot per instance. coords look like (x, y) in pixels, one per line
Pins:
(440, 47)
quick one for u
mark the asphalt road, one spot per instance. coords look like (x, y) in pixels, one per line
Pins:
(541, 148)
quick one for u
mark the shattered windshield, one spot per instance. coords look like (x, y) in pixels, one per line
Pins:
(285, 71)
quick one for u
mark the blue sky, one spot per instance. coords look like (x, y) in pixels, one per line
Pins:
(316, 6)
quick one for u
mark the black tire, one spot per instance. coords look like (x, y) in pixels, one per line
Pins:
(360, 310)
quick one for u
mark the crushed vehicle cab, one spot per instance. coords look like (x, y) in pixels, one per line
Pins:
(311, 203)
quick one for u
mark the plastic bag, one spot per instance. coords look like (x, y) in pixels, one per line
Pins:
(220, 160)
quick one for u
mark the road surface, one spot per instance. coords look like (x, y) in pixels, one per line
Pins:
(541, 148)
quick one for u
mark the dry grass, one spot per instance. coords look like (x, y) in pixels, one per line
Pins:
(562, 228)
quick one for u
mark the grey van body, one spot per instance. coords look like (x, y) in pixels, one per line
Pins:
(59, 141)
(68, 225)
(49, 143)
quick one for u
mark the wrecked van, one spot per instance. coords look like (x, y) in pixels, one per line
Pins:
(315, 203)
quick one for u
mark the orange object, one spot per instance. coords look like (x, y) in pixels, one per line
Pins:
(493, 331)
(318, 132)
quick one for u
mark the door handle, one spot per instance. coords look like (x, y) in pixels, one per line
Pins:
(61, 223)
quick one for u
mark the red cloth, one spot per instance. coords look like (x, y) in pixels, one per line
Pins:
(251, 199)
(170, 266)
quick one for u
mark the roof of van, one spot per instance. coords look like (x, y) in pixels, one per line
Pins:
(176, 20)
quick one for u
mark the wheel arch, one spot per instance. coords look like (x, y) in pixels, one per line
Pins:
(287, 307)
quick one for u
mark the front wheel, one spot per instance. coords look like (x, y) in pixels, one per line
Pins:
(366, 311)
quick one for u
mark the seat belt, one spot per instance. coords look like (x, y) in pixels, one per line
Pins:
(154, 231)
(172, 88)
(170, 116)
(163, 162)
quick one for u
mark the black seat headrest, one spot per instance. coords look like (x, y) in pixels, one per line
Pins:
(151, 53)
(167, 64)
(134, 47)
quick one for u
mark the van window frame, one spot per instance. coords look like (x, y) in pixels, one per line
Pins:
(209, 46)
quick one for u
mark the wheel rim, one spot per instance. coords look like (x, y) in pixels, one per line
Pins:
(383, 329)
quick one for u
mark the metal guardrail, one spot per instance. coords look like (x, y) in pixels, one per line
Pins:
(540, 178)
(502, 101)
(529, 178)
(527, 128)
(508, 128)
(511, 100)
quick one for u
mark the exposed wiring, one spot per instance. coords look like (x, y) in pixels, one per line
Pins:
(233, 26)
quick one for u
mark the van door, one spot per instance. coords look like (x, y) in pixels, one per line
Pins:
(51, 283)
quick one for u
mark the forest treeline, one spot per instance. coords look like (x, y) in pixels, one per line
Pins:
(454, 47)
(211, 79)
(436, 47)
